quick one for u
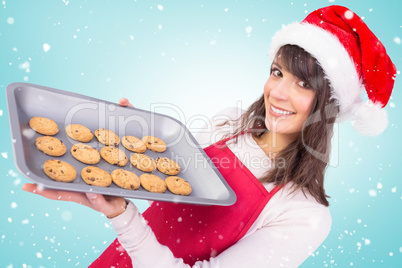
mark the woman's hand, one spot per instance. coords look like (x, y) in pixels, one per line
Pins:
(111, 206)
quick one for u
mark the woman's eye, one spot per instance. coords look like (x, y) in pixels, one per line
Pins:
(303, 84)
(276, 72)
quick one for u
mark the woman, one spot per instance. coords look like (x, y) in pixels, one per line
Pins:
(320, 68)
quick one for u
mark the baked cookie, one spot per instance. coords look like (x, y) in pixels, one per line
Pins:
(125, 179)
(44, 126)
(50, 145)
(114, 156)
(152, 183)
(107, 137)
(79, 132)
(59, 170)
(143, 162)
(178, 185)
(167, 166)
(133, 144)
(85, 153)
(154, 144)
(96, 176)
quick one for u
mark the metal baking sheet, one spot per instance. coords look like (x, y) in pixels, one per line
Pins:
(27, 100)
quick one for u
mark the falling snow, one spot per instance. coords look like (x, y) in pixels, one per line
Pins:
(349, 15)
(248, 30)
(25, 66)
(28, 133)
(46, 47)
(12, 173)
(10, 20)
(373, 193)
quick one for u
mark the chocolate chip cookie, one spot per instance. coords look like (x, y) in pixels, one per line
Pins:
(143, 162)
(114, 156)
(152, 183)
(79, 133)
(125, 179)
(44, 126)
(51, 146)
(133, 144)
(107, 137)
(167, 166)
(154, 144)
(59, 170)
(178, 185)
(96, 176)
(85, 153)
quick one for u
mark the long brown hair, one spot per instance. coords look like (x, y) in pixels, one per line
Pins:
(306, 158)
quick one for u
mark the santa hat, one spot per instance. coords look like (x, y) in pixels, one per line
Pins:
(353, 59)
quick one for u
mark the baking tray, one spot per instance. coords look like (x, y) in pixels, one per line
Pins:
(28, 100)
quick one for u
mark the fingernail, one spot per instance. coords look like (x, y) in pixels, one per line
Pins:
(92, 196)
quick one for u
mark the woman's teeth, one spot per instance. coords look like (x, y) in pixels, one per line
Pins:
(280, 111)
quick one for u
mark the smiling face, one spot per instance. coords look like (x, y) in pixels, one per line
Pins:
(288, 101)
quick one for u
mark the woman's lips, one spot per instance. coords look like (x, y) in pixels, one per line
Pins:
(275, 111)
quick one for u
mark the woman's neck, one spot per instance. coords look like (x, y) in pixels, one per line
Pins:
(272, 143)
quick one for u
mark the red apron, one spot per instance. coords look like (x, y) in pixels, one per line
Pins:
(194, 232)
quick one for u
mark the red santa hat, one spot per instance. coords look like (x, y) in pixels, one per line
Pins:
(353, 59)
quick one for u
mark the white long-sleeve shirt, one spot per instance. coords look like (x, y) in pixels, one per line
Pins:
(288, 230)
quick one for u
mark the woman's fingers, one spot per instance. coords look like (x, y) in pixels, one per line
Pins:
(76, 197)
(124, 102)
(108, 205)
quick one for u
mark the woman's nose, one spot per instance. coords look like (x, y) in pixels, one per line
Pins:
(280, 91)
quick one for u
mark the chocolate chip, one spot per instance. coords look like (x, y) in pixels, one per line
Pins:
(62, 172)
(88, 170)
(59, 162)
(74, 150)
(92, 179)
(50, 170)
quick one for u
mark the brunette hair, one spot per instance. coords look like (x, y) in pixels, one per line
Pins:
(305, 159)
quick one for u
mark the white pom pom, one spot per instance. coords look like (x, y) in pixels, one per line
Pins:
(370, 119)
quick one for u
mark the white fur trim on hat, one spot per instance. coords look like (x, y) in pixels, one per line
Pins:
(369, 118)
(339, 68)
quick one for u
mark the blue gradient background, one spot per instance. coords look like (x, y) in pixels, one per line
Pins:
(199, 56)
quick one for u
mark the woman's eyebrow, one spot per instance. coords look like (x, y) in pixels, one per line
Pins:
(277, 64)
